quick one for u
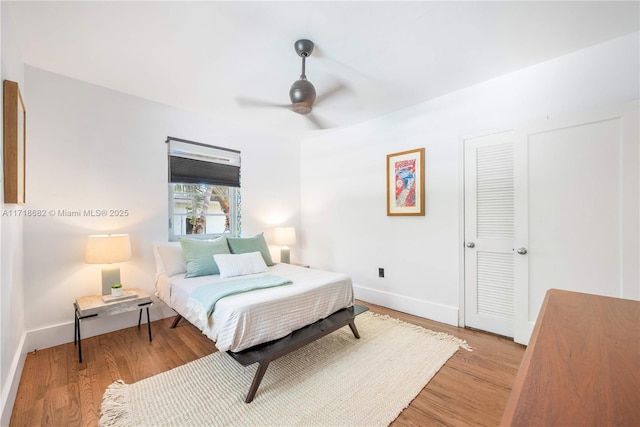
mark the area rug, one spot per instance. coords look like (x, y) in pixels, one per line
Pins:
(335, 381)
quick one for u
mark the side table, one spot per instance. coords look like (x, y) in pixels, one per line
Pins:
(94, 306)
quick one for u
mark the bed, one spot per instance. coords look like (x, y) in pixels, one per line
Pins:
(292, 306)
(244, 321)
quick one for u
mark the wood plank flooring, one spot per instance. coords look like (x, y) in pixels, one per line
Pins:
(471, 389)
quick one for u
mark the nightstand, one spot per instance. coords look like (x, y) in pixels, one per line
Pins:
(96, 306)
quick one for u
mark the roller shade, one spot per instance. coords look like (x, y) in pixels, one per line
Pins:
(196, 163)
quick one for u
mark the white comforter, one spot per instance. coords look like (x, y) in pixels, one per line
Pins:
(244, 320)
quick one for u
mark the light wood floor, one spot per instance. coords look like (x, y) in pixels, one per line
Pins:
(55, 390)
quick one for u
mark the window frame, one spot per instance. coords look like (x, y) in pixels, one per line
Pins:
(177, 147)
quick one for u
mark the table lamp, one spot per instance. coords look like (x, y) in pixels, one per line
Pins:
(285, 237)
(108, 249)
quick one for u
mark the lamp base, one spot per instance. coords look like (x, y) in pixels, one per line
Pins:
(285, 255)
(110, 276)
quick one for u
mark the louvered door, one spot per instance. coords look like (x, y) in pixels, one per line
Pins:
(489, 233)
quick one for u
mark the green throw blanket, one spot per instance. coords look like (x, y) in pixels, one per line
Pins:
(208, 295)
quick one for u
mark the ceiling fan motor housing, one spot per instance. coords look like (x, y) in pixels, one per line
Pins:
(302, 95)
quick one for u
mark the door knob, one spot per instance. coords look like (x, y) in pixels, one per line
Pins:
(471, 245)
(521, 251)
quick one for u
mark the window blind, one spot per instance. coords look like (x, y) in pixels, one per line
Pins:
(196, 163)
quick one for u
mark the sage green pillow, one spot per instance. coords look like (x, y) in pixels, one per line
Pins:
(198, 255)
(243, 245)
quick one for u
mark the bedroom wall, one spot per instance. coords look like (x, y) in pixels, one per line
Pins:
(344, 222)
(12, 330)
(93, 148)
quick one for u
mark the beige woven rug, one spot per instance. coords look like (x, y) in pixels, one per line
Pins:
(335, 381)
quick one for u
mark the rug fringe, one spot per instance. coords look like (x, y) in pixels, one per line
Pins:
(439, 335)
(114, 411)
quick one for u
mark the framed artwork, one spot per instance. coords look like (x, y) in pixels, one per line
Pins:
(14, 122)
(405, 183)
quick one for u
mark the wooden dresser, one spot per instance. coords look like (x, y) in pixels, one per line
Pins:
(582, 365)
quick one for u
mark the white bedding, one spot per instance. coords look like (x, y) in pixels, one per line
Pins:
(244, 320)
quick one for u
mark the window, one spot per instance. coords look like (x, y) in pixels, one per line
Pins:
(204, 193)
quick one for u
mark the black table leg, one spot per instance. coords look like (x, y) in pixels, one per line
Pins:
(148, 320)
(148, 323)
(76, 331)
(79, 341)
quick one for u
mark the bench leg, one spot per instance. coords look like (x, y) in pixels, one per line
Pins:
(352, 326)
(262, 368)
(175, 321)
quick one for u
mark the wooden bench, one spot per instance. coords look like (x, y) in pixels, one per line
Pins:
(265, 353)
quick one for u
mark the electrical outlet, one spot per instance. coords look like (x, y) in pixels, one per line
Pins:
(381, 272)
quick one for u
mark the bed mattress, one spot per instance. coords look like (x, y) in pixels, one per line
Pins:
(245, 320)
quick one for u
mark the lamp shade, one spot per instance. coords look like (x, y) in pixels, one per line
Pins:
(107, 248)
(285, 236)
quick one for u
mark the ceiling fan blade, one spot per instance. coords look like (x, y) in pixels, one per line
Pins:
(250, 102)
(337, 88)
(319, 124)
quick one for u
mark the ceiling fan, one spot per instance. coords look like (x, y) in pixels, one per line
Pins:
(302, 92)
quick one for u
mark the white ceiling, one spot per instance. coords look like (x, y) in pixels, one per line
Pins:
(203, 56)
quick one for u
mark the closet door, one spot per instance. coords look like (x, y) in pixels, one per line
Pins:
(576, 216)
(489, 232)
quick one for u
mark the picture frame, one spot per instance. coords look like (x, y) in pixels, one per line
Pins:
(14, 141)
(405, 183)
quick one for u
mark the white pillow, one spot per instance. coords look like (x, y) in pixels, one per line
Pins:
(232, 265)
(169, 258)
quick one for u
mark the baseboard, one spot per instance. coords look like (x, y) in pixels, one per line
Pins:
(10, 388)
(417, 307)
